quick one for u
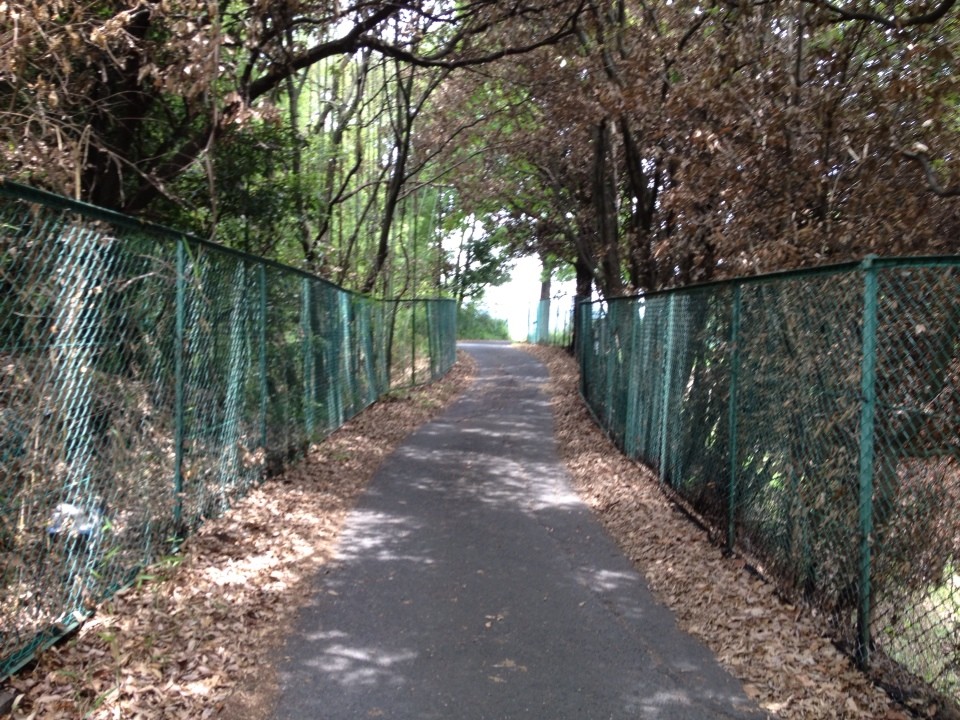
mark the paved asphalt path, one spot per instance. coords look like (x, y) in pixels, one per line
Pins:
(473, 584)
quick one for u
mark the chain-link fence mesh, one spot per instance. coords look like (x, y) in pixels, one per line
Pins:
(813, 418)
(147, 379)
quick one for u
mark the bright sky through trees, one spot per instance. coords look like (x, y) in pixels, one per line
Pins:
(516, 300)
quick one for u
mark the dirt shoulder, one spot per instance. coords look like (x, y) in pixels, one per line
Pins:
(774, 648)
(195, 636)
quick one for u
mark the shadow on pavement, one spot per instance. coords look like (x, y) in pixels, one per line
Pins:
(472, 583)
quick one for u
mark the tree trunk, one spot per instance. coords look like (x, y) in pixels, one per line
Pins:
(644, 195)
(584, 293)
(543, 309)
(605, 210)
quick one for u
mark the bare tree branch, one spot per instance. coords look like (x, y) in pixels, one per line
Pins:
(931, 175)
(892, 21)
(438, 60)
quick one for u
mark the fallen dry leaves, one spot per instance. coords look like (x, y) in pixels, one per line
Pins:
(775, 649)
(193, 637)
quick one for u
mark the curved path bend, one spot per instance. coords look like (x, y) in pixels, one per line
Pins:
(473, 584)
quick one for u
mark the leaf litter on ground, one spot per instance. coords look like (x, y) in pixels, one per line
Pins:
(197, 637)
(193, 638)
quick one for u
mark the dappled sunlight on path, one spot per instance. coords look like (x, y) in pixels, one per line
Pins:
(471, 582)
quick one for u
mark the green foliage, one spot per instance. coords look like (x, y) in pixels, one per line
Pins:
(481, 259)
(476, 324)
(256, 203)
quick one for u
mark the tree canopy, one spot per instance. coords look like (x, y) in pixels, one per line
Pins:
(644, 143)
(665, 143)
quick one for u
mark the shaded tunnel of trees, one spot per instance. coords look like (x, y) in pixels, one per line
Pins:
(413, 149)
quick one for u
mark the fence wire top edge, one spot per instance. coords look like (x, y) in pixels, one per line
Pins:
(877, 263)
(18, 191)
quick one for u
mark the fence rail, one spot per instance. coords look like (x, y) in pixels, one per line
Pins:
(814, 419)
(148, 378)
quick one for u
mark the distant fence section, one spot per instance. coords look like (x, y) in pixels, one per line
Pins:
(550, 322)
(148, 378)
(813, 418)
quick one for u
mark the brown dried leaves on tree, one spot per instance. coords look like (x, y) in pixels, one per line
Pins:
(111, 102)
(670, 142)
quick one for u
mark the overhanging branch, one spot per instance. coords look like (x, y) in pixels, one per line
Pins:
(931, 175)
(893, 22)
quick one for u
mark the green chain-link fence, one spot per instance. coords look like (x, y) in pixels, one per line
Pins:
(814, 419)
(148, 378)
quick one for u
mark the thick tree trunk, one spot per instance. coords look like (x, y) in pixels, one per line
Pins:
(543, 309)
(389, 211)
(643, 188)
(605, 210)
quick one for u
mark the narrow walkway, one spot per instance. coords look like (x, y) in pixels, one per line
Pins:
(473, 584)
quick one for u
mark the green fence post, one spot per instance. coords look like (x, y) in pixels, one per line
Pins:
(262, 281)
(579, 309)
(580, 344)
(384, 346)
(178, 389)
(348, 378)
(630, 435)
(451, 333)
(732, 415)
(333, 388)
(543, 322)
(868, 398)
(667, 382)
(610, 356)
(430, 328)
(373, 387)
(413, 342)
(308, 359)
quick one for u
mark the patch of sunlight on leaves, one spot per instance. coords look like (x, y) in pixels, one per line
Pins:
(193, 637)
(775, 649)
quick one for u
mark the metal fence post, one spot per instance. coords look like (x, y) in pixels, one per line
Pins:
(667, 382)
(308, 359)
(582, 315)
(413, 342)
(349, 354)
(610, 356)
(335, 348)
(732, 498)
(178, 389)
(868, 397)
(431, 334)
(373, 389)
(630, 430)
(262, 282)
